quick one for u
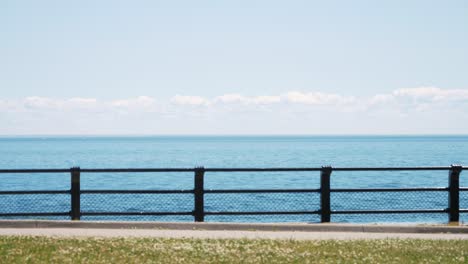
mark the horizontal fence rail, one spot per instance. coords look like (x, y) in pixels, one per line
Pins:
(199, 209)
(279, 169)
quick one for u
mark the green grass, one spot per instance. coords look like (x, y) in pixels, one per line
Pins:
(17, 249)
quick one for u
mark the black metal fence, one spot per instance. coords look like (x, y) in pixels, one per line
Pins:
(198, 210)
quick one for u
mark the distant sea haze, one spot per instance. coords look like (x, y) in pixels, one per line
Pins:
(232, 151)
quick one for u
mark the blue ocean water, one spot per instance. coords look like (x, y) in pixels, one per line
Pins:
(234, 151)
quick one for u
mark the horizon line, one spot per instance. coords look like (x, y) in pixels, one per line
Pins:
(226, 135)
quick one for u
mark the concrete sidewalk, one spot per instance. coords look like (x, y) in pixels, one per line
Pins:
(229, 230)
(98, 232)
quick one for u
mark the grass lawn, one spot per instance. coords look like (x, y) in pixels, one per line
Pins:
(17, 249)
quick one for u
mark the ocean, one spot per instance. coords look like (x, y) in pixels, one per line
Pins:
(234, 151)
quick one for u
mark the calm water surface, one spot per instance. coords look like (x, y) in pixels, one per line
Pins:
(234, 151)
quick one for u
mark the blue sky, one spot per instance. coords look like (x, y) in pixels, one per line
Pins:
(234, 67)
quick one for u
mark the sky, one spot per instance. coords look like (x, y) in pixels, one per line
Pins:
(233, 67)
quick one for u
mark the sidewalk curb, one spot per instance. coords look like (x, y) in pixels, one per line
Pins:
(298, 227)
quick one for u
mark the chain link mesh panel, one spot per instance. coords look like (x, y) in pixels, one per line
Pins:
(269, 202)
(464, 199)
(159, 218)
(137, 202)
(389, 200)
(390, 218)
(134, 202)
(388, 179)
(262, 180)
(34, 181)
(35, 203)
(302, 218)
(262, 202)
(464, 205)
(137, 181)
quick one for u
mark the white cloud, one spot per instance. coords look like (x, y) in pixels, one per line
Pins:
(239, 99)
(38, 104)
(318, 98)
(419, 98)
(403, 99)
(432, 93)
(231, 98)
(190, 100)
(79, 103)
(266, 99)
(138, 102)
(408, 98)
(400, 110)
(35, 102)
(381, 99)
(83, 101)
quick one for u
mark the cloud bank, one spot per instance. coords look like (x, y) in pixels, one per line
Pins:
(406, 110)
(405, 95)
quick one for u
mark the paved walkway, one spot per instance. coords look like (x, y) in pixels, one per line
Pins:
(98, 232)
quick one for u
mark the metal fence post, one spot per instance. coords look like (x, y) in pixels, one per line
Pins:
(454, 191)
(325, 207)
(199, 212)
(75, 212)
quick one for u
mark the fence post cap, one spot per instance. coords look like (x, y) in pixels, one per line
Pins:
(456, 168)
